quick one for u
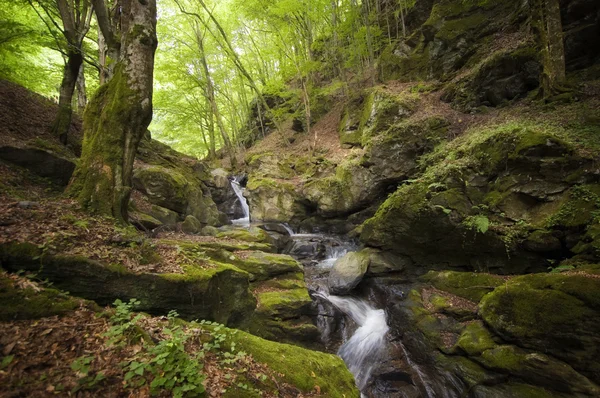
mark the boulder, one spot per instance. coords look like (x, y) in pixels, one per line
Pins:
(273, 201)
(511, 215)
(218, 292)
(177, 192)
(551, 313)
(191, 225)
(166, 216)
(347, 272)
(44, 163)
(209, 231)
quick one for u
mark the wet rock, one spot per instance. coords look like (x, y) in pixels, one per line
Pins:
(347, 272)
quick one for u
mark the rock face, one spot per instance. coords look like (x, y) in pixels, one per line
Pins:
(517, 210)
(223, 194)
(531, 335)
(273, 201)
(347, 272)
(220, 293)
(173, 187)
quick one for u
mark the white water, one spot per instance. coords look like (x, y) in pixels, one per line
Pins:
(237, 188)
(363, 350)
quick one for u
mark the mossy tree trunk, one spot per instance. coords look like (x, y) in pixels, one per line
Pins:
(547, 24)
(117, 117)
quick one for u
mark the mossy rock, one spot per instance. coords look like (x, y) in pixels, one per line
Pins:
(32, 303)
(252, 234)
(504, 76)
(307, 370)
(217, 292)
(262, 266)
(285, 313)
(475, 339)
(273, 201)
(536, 368)
(469, 285)
(554, 313)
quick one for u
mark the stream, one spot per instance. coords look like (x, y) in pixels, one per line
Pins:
(352, 323)
(364, 329)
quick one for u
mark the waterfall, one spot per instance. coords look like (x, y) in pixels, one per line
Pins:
(362, 352)
(237, 188)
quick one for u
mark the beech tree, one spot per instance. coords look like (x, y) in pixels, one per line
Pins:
(69, 23)
(547, 24)
(118, 115)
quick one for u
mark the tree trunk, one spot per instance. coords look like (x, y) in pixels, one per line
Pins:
(81, 90)
(547, 25)
(117, 118)
(62, 122)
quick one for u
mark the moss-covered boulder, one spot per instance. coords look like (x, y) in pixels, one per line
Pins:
(372, 113)
(468, 330)
(510, 196)
(55, 164)
(263, 266)
(213, 291)
(349, 190)
(504, 76)
(22, 299)
(455, 35)
(273, 200)
(285, 312)
(553, 313)
(164, 215)
(171, 189)
(191, 225)
(309, 371)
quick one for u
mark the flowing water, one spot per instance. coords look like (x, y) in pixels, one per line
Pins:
(239, 191)
(363, 351)
(363, 348)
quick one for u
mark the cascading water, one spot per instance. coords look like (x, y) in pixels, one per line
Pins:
(363, 351)
(239, 190)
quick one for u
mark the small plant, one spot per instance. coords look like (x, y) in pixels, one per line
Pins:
(124, 326)
(86, 381)
(560, 268)
(479, 223)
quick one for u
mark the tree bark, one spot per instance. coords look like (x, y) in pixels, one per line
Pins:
(81, 90)
(117, 117)
(62, 122)
(546, 21)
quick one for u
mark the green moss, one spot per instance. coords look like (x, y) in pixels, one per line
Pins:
(300, 367)
(27, 303)
(280, 303)
(581, 204)
(475, 339)
(263, 266)
(246, 235)
(469, 285)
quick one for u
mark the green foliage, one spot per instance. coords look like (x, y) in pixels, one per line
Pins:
(479, 223)
(124, 323)
(561, 268)
(86, 381)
